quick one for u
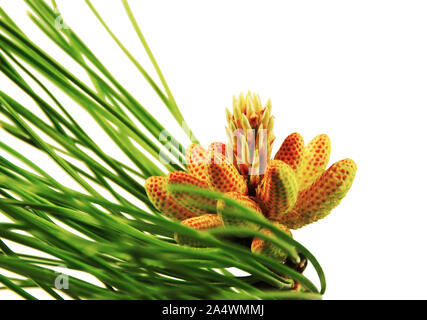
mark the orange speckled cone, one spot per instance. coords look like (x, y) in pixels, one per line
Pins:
(294, 189)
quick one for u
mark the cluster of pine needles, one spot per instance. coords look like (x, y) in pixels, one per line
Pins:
(128, 249)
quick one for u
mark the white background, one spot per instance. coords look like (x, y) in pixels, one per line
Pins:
(356, 70)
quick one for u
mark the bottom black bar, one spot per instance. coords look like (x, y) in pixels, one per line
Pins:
(215, 309)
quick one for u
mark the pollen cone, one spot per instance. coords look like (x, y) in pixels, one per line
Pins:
(317, 201)
(267, 248)
(278, 190)
(203, 222)
(226, 211)
(193, 202)
(163, 201)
